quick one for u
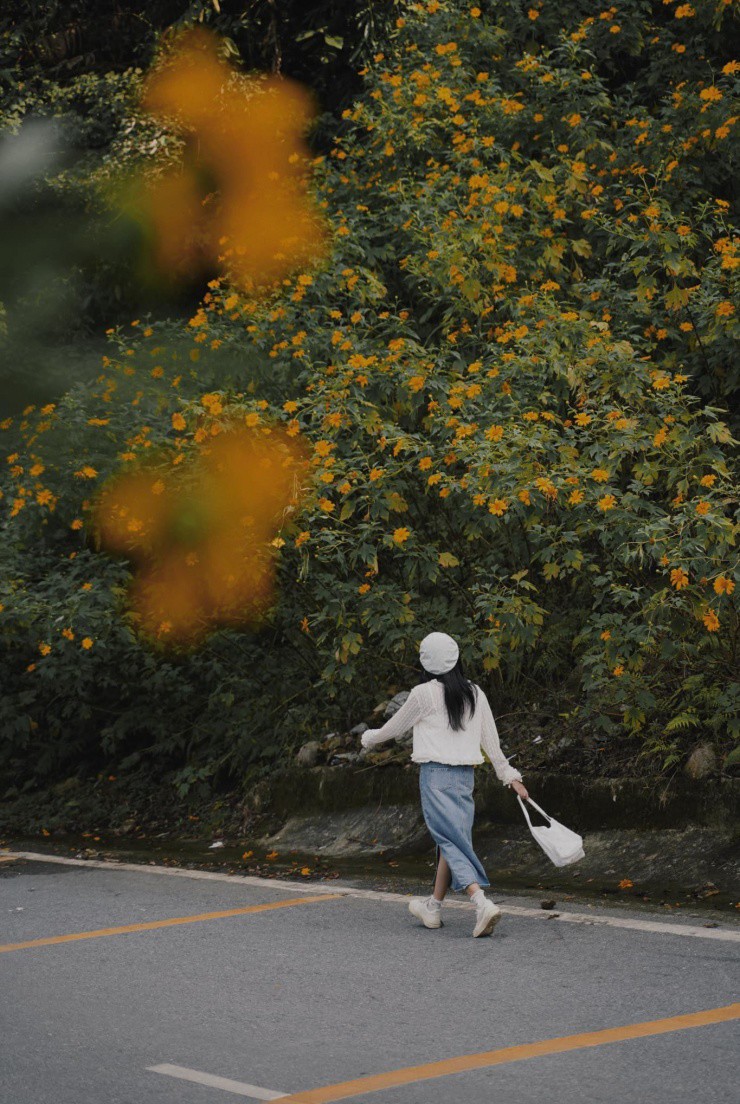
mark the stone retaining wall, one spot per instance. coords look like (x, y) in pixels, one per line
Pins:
(581, 803)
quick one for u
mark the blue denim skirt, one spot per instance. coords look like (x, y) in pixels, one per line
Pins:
(448, 808)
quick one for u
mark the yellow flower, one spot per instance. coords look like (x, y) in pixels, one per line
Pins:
(498, 506)
(87, 643)
(326, 504)
(375, 474)
(679, 578)
(86, 473)
(425, 463)
(178, 422)
(547, 487)
(401, 535)
(44, 649)
(711, 620)
(600, 475)
(363, 589)
(606, 635)
(703, 507)
(618, 670)
(723, 585)
(608, 502)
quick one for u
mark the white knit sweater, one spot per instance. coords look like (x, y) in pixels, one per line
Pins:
(435, 741)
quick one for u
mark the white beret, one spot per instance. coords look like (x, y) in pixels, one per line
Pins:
(438, 653)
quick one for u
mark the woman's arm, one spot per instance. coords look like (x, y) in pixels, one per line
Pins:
(492, 747)
(410, 712)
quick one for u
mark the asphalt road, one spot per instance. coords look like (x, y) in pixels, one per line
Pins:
(297, 997)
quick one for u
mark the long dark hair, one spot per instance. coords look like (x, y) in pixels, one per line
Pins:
(460, 693)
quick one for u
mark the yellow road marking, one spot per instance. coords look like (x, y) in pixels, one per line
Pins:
(151, 924)
(447, 1066)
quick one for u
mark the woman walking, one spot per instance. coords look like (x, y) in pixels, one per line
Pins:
(452, 721)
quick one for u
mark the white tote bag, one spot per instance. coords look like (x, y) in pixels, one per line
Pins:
(560, 844)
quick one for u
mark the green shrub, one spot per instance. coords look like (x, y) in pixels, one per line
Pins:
(516, 374)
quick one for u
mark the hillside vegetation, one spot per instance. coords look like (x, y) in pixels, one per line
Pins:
(515, 372)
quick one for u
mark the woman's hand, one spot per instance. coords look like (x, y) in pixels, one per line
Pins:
(521, 789)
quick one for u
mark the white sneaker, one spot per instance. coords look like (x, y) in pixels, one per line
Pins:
(420, 908)
(486, 918)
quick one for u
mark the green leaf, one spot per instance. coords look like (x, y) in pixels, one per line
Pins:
(581, 247)
(676, 298)
(446, 559)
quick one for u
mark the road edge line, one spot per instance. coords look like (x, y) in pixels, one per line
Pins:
(592, 920)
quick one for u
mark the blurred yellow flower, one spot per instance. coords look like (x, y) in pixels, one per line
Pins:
(243, 141)
(201, 545)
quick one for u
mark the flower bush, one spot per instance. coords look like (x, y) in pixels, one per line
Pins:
(515, 375)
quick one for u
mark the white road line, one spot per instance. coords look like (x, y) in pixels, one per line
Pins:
(591, 919)
(239, 1088)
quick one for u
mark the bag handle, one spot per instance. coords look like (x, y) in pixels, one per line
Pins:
(535, 806)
